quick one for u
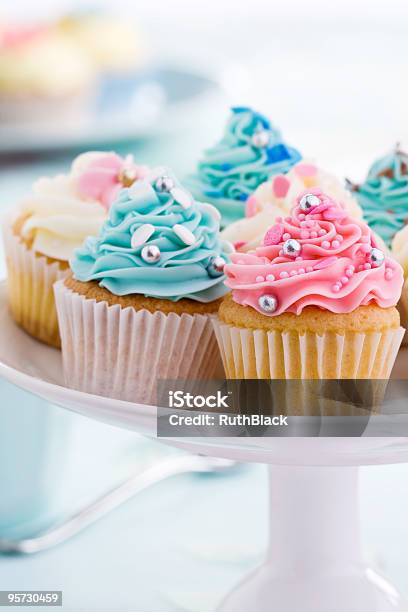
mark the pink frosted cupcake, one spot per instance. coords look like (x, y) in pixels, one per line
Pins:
(41, 236)
(316, 300)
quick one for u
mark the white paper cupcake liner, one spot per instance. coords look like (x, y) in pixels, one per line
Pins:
(122, 353)
(30, 287)
(260, 354)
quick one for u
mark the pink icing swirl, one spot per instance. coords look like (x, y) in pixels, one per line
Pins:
(333, 270)
(103, 178)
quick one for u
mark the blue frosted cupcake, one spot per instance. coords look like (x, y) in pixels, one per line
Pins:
(250, 151)
(384, 195)
(136, 308)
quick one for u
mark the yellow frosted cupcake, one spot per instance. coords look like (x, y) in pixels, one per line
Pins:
(42, 234)
(316, 300)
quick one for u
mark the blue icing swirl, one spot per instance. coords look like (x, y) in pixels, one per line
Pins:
(384, 195)
(182, 270)
(231, 170)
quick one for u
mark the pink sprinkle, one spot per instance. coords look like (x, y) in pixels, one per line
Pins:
(302, 216)
(336, 287)
(322, 232)
(304, 234)
(349, 272)
(335, 244)
(293, 272)
(280, 186)
(313, 234)
(260, 279)
(309, 269)
(326, 244)
(310, 224)
(351, 267)
(251, 206)
(270, 277)
(304, 170)
(239, 244)
(273, 235)
(301, 270)
(283, 274)
(339, 237)
(286, 236)
(367, 266)
(325, 263)
(344, 279)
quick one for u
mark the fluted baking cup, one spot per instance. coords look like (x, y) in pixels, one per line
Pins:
(122, 352)
(258, 354)
(30, 288)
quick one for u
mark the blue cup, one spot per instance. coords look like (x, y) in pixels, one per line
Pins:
(34, 445)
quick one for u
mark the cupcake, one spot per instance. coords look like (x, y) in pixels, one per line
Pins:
(275, 198)
(42, 72)
(111, 43)
(384, 195)
(136, 308)
(250, 151)
(316, 300)
(384, 199)
(50, 223)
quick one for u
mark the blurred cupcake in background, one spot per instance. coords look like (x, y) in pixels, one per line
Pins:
(384, 199)
(276, 197)
(141, 293)
(113, 44)
(42, 74)
(42, 234)
(250, 151)
(316, 300)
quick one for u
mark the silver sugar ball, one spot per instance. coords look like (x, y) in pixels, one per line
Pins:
(308, 201)
(291, 248)
(376, 257)
(260, 139)
(216, 267)
(164, 183)
(268, 303)
(151, 253)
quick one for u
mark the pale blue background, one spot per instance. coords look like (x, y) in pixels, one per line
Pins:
(331, 77)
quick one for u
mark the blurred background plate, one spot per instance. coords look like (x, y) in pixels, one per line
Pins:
(123, 108)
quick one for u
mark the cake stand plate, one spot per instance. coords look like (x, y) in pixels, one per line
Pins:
(314, 561)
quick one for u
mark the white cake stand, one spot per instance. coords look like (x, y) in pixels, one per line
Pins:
(314, 561)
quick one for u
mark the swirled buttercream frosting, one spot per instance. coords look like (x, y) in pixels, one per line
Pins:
(276, 197)
(318, 256)
(250, 151)
(63, 210)
(384, 195)
(158, 242)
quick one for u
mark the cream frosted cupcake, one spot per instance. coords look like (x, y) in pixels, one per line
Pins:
(113, 44)
(50, 223)
(137, 307)
(275, 198)
(41, 72)
(317, 300)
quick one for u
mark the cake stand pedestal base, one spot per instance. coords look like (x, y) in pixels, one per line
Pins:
(314, 561)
